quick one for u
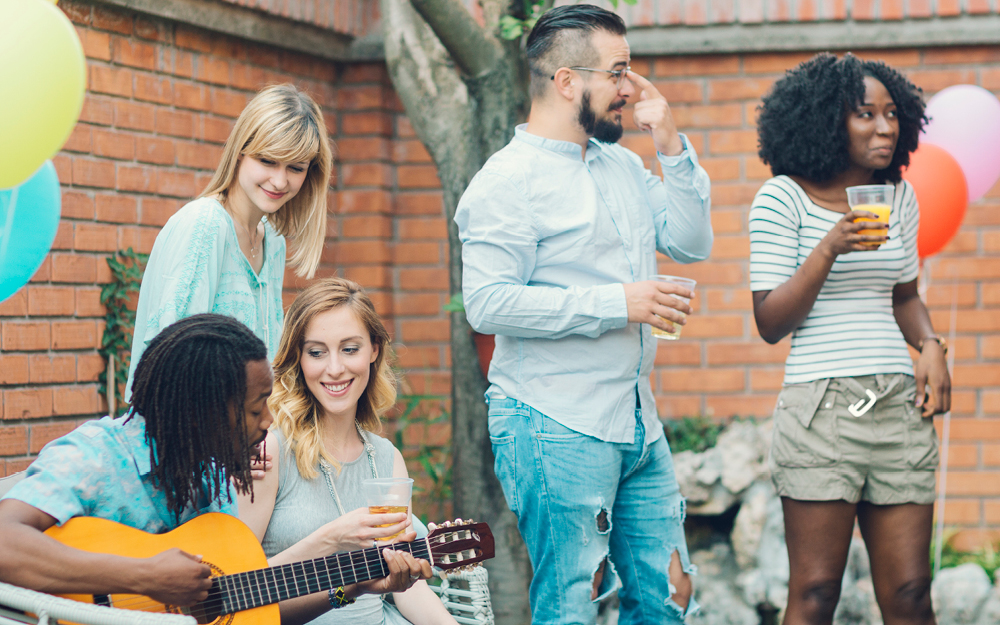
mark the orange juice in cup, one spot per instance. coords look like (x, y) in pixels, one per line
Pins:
(388, 495)
(874, 198)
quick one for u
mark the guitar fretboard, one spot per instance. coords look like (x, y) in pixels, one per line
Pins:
(252, 589)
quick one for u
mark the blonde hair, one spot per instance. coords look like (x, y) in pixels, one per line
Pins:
(282, 123)
(296, 411)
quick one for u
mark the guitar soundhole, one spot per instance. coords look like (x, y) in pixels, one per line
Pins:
(208, 611)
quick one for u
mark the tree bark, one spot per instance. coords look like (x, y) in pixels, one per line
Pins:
(462, 120)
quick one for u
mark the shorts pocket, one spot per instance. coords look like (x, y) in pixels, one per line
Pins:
(805, 426)
(921, 437)
(504, 466)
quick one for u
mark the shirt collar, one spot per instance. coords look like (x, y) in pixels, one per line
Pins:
(563, 148)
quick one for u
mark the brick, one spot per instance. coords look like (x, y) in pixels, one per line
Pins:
(76, 205)
(963, 456)
(153, 88)
(88, 172)
(734, 194)
(746, 353)
(979, 7)
(47, 369)
(42, 434)
(191, 96)
(708, 116)
(721, 169)
(98, 110)
(919, 8)
(419, 357)
(114, 144)
(135, 115)
(216, 129)
(417, 279)
(156, 211)
(88, 302)
(778, 10)
(179, 62)
(212, 70)
(110, 80)
(410, 151)
(89, 367)
(408, 253)
(77, 334)
(370, 123)
(359, 252)
(962, 511)
(891, 9)
(197, 155)
(706, 273)
(732, 142)
(773, 63)
(941, 296)
(192, 39)
(949, 8)
(16, 305)
(714, 326)
(49, 301)
(974, 429)
(136, 178)
(973, 483)
(767, 379)
(107, 18)
(677, 354)
(676, 406)
(13, 440)
(366, 175)
(175, 123)
(134, 53)
(422, 229)
(64, 168)
(702, 380)
(154, 30)
(806, 10)
(370, 276)
(14, 369)
(95, 237)
(932, 81)
(115, 208)
(739, 406)
(78, 12)
(365, 202)
(25, 335)
(723, 89)
(154, 150)
(961, 55)
(349, 149)
(27, 403)
(44, 272)
(227, 102)
(425, 330)
(175, 183)
(419, 203)
(64, 236)
(79, 139)
(971, 375)
(418, 304)
(79, 399)
(728, 299)
(13, 466)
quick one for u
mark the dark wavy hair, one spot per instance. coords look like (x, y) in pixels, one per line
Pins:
(802, 123)
(188, 383)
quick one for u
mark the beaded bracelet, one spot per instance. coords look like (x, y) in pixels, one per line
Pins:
(338, 598)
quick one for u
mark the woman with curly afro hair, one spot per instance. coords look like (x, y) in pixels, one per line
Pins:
(853, 431)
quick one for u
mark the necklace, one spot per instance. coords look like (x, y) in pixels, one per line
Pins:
(253, 250)
(326, 469)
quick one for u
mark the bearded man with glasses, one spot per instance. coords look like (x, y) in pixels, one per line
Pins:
(560, 231)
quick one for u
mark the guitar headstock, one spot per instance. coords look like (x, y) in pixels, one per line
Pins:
(460, 544)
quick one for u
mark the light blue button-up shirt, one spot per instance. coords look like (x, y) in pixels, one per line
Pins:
(548, 240)
(102, 469)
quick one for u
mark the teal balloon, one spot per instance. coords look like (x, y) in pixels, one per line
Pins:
(29, 218)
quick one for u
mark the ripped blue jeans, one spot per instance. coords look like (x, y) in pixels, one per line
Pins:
(579, 501)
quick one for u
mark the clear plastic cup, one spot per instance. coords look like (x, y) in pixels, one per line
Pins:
(688, 284)
(388, 495)
(874, 198)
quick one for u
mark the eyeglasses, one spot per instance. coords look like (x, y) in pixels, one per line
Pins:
(619, 74)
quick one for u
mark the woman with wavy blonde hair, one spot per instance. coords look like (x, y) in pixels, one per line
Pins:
(225, 251)
(333, 381)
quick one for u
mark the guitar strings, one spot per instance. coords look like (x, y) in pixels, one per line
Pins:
(372, 558)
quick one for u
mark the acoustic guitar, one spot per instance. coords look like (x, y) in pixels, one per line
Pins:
(245, 591)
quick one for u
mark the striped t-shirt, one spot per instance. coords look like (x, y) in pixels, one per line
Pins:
(850, 330)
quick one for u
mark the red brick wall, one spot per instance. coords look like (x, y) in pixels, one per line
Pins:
(162, 98)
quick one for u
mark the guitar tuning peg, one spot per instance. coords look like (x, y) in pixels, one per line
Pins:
(470, 521)
(446, 524)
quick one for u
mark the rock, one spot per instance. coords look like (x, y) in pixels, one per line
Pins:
(748, 527)
(716, 591)
(960, 594)
(742, 453)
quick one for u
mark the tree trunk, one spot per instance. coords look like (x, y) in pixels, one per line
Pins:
(462, 121)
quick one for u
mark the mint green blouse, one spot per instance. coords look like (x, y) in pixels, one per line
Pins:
(196, 266)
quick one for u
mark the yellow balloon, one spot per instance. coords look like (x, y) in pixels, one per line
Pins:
(43, 76)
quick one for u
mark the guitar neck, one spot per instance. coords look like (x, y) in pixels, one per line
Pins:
(252, 589)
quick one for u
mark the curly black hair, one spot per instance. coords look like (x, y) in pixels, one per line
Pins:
(802, 126)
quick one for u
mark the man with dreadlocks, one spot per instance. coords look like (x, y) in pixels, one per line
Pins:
(199, 407)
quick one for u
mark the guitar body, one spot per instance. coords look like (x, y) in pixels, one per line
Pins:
(225, 543)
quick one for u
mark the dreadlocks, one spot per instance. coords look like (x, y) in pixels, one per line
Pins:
(189, 385)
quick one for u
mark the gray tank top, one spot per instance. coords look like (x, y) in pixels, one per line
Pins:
(302, 506)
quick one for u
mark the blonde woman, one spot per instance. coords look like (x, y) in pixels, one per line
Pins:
(225, 251)
(333, 382)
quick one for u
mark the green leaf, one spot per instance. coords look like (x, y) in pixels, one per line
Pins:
(455, 304)
(510, 27)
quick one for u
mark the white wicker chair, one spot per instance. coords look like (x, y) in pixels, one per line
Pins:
(49, 610)
(466, 595)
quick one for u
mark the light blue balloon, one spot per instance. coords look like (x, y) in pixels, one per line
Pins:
(29, 218)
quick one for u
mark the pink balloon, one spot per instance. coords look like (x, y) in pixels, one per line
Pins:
(965, 121)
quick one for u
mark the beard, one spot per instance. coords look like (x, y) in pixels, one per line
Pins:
(604, 130)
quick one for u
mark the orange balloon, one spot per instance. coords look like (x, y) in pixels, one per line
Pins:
(943, 194)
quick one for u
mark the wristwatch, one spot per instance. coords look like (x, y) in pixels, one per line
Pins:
(933, 337)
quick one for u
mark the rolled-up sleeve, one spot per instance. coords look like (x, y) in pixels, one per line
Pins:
(499, 247)
(681, 204)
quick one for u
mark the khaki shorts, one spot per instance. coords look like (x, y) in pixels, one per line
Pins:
(821, 451)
